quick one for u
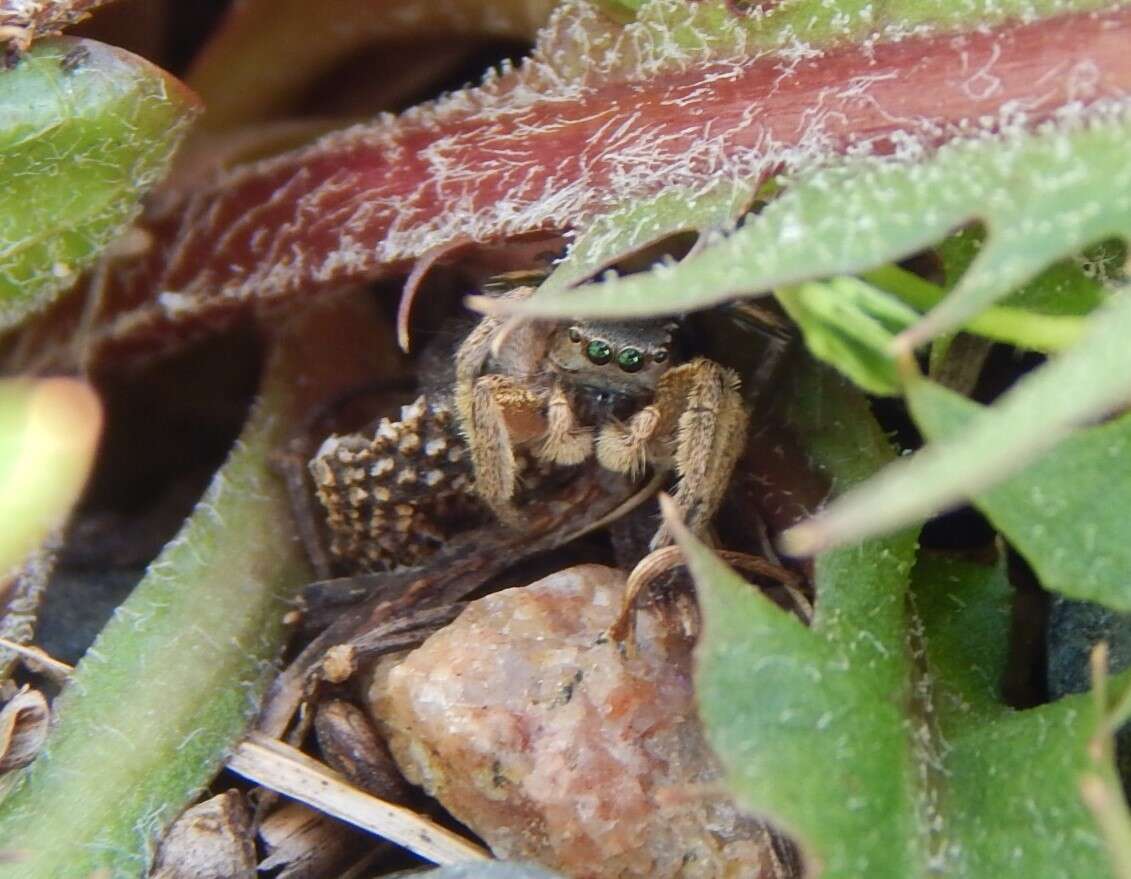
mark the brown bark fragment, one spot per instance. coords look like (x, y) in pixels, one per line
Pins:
(349, 744)
(211, 840)
(304, 843)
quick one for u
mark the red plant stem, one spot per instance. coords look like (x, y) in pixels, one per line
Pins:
(503, 159)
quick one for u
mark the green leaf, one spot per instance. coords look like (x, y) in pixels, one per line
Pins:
(850, 324)
(49, 431)
(877, 736)
(85, 130)
(1039, 411)
(1013, 325)
(713, 26)
(1003, 785)
(625, 230)
(1067, 512)
(1043, 197)
(172, 680)
(808, 721)
(1075, 286)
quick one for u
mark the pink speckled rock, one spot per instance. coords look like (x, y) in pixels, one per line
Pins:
(554, 747)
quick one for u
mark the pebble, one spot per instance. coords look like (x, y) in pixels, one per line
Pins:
(556, 746)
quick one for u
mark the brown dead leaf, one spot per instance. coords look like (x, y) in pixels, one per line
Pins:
(23, 729)
(267, 51)
(24, 21)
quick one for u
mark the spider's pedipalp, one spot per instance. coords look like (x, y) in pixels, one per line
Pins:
(565, 442)
(624, 448)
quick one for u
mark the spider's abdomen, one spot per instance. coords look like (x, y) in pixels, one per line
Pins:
(395, 495)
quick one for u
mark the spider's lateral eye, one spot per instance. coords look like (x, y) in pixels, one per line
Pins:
(661, 355)
(599, 352)
(574, 334)
(630, 360)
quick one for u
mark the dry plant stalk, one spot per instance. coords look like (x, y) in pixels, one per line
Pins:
(211, 840)
(287, 770)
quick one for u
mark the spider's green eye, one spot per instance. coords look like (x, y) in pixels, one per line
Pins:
(630, 360)
(599, 352)
(574, 334)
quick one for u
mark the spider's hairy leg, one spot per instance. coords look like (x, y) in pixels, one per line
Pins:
(502, 412)
(710, 434)
(471, 356)
(474, 352)
(484, 405)
(565, 442)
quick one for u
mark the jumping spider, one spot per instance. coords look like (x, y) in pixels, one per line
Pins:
(613, 390)
(525, 402)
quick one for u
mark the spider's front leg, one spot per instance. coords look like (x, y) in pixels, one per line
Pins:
(502, 413)
(496, 411)
(698, 405)
(710, 435)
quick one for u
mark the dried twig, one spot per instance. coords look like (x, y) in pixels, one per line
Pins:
(22, 591)
(288, 771)
(21, 23)
(39, 660)
(656, 564)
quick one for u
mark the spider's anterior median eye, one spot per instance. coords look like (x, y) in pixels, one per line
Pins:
(630, 360)
(574, 334)
(599, 352)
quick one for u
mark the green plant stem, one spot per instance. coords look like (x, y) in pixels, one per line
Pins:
(1014, 326)
(1121, 711)
(173, 679)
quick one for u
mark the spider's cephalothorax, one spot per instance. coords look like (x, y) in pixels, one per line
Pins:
(611, 368)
